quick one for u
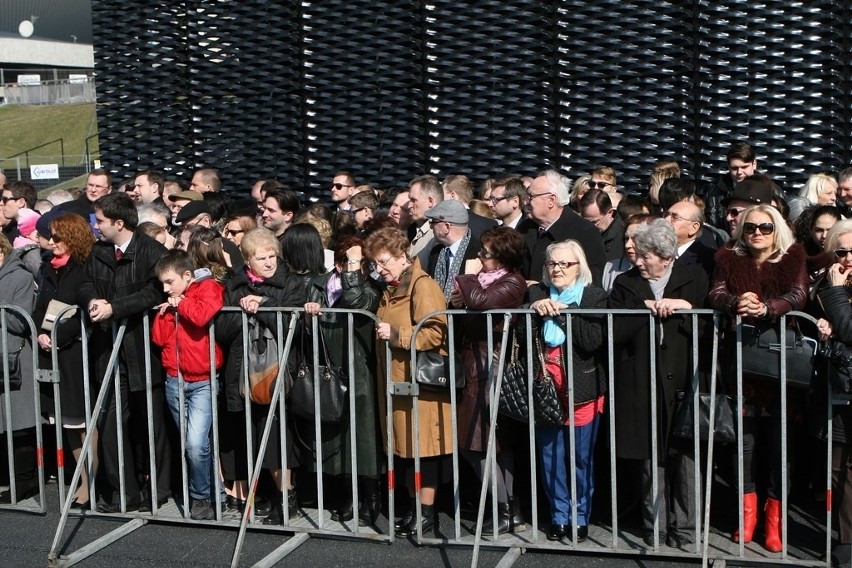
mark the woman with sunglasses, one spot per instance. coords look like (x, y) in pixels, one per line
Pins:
(834, 302)
(760, 275)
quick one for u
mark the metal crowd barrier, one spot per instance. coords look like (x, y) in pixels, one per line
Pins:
(28, 388)
(608, 537)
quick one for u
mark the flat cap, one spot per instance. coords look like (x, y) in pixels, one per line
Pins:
(449, 210)
(191, 195)
(192, 210)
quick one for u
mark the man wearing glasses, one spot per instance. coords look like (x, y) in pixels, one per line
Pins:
(688, 219)
(98, 184)
(596, 208)
(507, 201)
(342, 188)
(18, 195)
(551, 220)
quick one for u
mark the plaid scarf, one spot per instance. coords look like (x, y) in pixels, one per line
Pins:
(444, 278)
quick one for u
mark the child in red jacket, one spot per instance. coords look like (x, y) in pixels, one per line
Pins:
(181, 328)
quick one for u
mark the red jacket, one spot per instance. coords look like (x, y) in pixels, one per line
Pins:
(190, 339)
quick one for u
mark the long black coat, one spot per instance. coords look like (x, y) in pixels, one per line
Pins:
(132, 288)
(835, 301)
(63, 285)
(633, 362)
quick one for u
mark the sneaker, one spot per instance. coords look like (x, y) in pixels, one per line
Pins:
(201, 510)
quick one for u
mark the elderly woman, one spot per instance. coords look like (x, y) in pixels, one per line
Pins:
(663, 286)
(17, 289)
(71, 241)
(567, 283)
(349, 287)
(760, 276)
(263, 281)
(615, 267)
(835, 299)
(410, 296)
(498, 286)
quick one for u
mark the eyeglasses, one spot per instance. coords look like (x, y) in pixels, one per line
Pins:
(563, 264)
(383, 263)
(764, 228)
(7, 198)
(676, 217)
(355, 211)
(232, 232)
(93, 186)
(531, 196)
(842, 253)
(599, 184)
(340, 185)
(496, 200)
(734, 212)
(485, 254)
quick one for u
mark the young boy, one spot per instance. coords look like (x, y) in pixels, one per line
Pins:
(181, 329)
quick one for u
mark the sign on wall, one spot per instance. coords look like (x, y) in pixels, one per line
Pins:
(44, 171)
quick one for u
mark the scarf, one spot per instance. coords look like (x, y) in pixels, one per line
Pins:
(442, 276)
(58, 262)
(658, 288)
(486, 279)
(554, 334)
(253, 277)
(334, 288)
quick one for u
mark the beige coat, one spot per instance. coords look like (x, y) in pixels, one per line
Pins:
(416, 296)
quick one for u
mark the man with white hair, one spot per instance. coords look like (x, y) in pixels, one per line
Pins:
(551, 220)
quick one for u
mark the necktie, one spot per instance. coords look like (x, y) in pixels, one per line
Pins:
(449, 261)
(118, 254)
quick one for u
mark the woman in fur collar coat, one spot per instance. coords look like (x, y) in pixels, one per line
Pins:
(760, 276)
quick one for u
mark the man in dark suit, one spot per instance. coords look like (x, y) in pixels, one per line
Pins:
(687, 219)
(120, 285)
(454, 244)
(551, 220)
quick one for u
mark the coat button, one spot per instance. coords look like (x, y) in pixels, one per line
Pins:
(663, 345)
(669, 377)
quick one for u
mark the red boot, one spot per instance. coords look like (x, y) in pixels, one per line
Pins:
(773, 525)
(749, 518)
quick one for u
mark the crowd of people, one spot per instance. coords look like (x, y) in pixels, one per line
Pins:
(151, 251)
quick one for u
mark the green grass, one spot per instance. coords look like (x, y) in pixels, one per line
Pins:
(25, 127)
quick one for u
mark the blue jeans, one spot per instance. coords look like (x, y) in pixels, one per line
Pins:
(554, 445)
(199, 419)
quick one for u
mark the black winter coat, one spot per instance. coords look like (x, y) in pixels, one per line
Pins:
(132, 288)
(835, 301)
(633, 362)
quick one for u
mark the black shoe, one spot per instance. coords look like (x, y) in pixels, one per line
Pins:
(343, 514)
(427, 522)
(274, 517)
(235, 505)
(262, 506)
(293, 503)
(371, 504)
(648, 538)
(558, 532)
(116, 507)
(403, 521)
(145, 506)
(78, 505)
(841, 556)
(504, 520)
(6, 496)
(518, 523)
(582, 533)
(201, 510)
(675, 541)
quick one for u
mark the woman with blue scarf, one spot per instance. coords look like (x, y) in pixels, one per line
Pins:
(567, 284)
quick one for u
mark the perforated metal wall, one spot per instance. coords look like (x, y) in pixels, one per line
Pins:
(389, 90)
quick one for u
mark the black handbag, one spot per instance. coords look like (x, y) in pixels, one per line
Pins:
(547, 407)
(838, 358)
(433, 370)
(332, 388)
(683, 425)
(16, 379)
(761, 349)
(513, 389)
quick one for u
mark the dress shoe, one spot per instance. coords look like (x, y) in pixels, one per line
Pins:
(370, 504)
(404, 520)
(504, 520)
(145, 506)
(582, 533)
(262, 506)
(6, 496)
(343, 514)
(675, 541)
(116, 507)
(427, 522)
(79, 505)
(648, 538)
(557, 531)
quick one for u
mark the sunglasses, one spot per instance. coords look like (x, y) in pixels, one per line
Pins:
(233, 232)
(7, 198)
(340, 185)
(764, 228)
(598, 184)
(734, 212)
(55, 238)
(485, 254)
(842, 253)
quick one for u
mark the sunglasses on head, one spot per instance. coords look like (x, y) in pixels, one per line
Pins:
(764, 228)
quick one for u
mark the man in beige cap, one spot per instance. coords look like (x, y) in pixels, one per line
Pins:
(179, 201)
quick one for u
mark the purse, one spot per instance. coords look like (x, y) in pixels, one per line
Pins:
(433, 370)
(513, 400)
(332, 389)
(54, 307)
(547, 407)
(16, 379)
(761, 349)
(263, 365)
(838, 358)
(683, 425)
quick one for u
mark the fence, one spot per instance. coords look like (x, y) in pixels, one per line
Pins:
(63, 91)
(605, 536)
